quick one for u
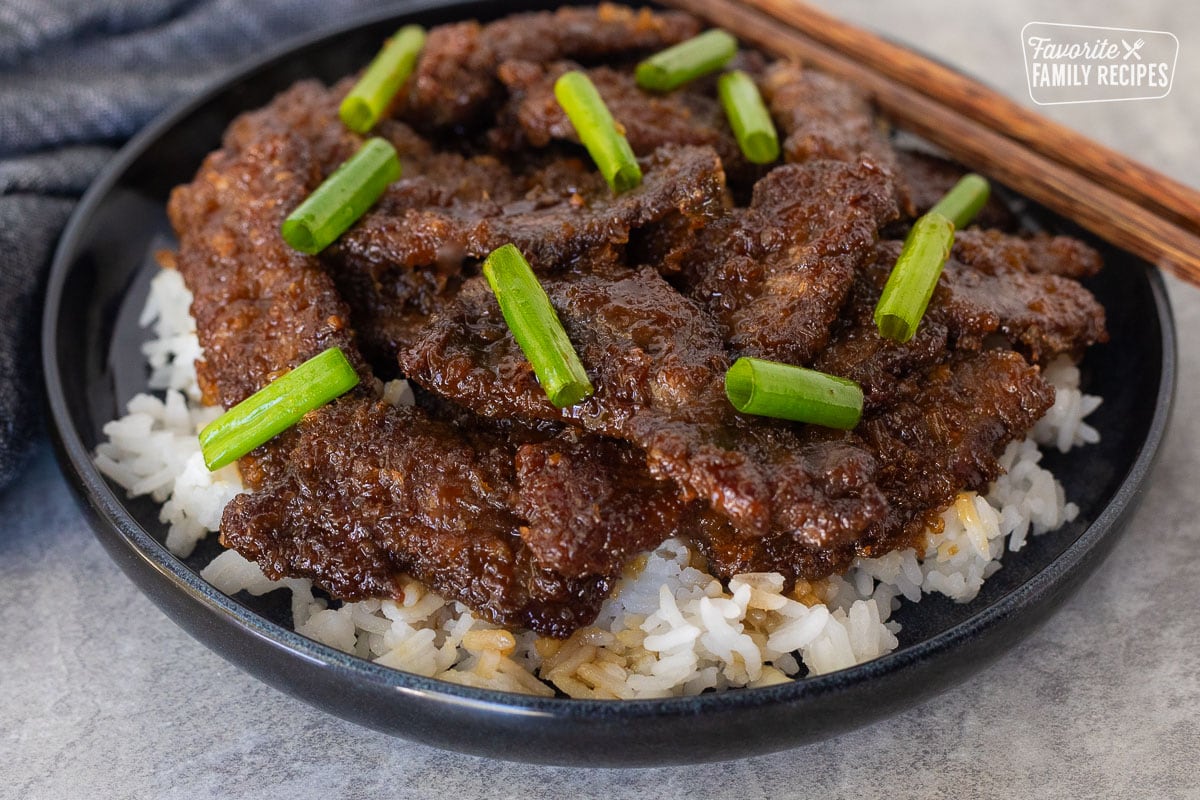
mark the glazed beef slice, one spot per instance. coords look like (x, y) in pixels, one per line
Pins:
(456, 81)
(658, 366)
(776, 274)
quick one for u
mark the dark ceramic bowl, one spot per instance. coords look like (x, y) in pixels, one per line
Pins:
(92, 365)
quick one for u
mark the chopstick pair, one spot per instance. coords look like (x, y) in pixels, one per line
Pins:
(1114, 197)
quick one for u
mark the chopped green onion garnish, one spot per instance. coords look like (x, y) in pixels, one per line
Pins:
(749, 118)
(276, 407)
(962, 203)
(535, 326)
(686, 61)
(912, 280)
(342, 198)
(607, 146)
(369, 98)
(771, 389)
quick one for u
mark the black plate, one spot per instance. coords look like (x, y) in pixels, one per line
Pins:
(92, 366)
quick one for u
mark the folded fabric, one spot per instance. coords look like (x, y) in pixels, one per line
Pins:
(77, 78)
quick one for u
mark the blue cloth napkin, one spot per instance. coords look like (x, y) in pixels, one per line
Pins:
(77, 78)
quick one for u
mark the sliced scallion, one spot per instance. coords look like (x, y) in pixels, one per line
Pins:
(342, 198)
(535, 326)
(770, 389)
(276, 407)
(748, 116)
(388, 71)
(592, 120)
(686, 61)
(963, 201)
(911, 282)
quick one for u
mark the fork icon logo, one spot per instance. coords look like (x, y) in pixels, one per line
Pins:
(1132, 49)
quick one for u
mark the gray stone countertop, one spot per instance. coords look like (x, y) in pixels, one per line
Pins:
(104, 697)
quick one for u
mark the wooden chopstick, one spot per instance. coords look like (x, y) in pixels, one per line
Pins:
(970, 98)
(1075, 194)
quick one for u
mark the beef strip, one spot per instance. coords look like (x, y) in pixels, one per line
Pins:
(260, 307)
(690, 115)
(371, 492)
(391, 309)
(658, 366)
(592, 505)
(1043, 315)
(309, 110)
(938, 410)
(776, 274)
(581, 226)
(941, 433)
(403, 260)
(996, 253)
(856, 350)
(945, 431)
(1001, 284)
(937, 414)
(455, 80)
(822, 117)
(358, 492)
(558, 215)
(928, 177)
(388, 299)
(984, 289)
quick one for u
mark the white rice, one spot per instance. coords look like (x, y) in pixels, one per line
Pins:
(669, 629)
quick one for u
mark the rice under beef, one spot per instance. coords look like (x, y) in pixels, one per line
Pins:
(526, 513)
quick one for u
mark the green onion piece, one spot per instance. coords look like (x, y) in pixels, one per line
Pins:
(962, 203)
(686, 61)
(607, 146)
(535, 326)
(388, 71)
(276, 407)
(771, 389)
(749, 118)
(342, 198)
(912, 280)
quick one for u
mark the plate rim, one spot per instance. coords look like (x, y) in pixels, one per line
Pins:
(109, 509)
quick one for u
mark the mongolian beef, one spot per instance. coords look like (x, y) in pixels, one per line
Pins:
(525, 512)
